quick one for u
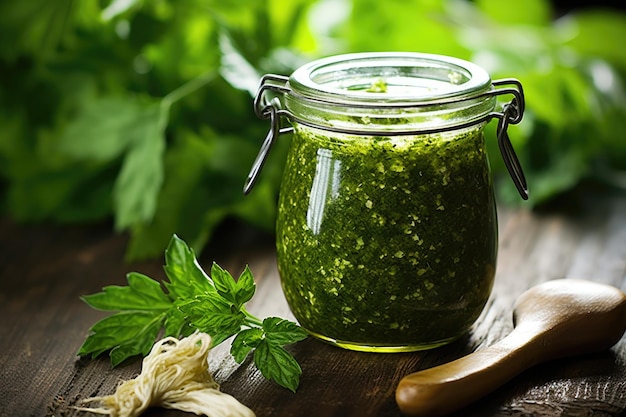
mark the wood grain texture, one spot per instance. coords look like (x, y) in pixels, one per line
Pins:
(44, 270)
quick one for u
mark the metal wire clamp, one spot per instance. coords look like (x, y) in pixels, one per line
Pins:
(271, 108)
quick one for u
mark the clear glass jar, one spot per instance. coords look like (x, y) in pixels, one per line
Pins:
(386, 228)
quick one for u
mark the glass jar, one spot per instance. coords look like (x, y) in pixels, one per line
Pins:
(386, 233)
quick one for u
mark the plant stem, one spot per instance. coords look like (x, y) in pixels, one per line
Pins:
(252, 319)
(188, 88)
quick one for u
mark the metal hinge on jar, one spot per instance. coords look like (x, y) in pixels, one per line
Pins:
(511, 113)
(266, 108)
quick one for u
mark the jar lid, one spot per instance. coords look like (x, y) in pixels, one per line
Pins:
(389, 79)
(389, 93)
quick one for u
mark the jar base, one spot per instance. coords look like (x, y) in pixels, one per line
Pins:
(375, 348)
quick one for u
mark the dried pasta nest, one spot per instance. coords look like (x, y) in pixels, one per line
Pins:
(174, 375)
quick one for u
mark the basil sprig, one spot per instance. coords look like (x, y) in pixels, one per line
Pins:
(192, 300)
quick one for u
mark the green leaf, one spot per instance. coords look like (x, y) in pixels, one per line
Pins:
(51, 194)
(212, 314)
(584, 29)
(187, 278)
(47, 22)
(290, 25)
(142, 293)
(245, 286)
(282, 332)
(529, 12)
(237, 292)
(136, 331)
(176, 323)
(395, 21)
(183, 201)
(245, 342)
(133, 128)
(144, 310)
(204, 176)
(117, 7)
(139, 182)
(235, 68)
(105, 127)
(140, 344)
(276, 364)
(224, 283)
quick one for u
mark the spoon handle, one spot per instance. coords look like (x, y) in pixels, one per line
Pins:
(445, 388)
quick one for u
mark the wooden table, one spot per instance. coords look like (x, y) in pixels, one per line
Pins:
(44, 270)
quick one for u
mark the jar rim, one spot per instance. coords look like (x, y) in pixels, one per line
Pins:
(407, 78)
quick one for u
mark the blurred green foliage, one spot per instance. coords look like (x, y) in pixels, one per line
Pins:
(142, 110)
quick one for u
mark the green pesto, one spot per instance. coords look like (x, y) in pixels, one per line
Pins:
(387, 241)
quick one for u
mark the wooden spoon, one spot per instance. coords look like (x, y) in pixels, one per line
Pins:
(552, 320)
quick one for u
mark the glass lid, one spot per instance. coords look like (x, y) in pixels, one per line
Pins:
(389, 78)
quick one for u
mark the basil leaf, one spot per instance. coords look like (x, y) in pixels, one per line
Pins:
(142, 293)
(140, 344)
(282, 332)
(276, 364)
(237, 292)
(244, 342)
(135, 330)
(211, 314)
(245, 286)
(224, 283)
(187, 278)
(176, 323)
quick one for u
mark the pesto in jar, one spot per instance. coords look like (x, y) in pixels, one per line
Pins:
(387, 243)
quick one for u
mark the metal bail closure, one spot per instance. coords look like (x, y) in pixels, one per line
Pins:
(512, 113)
(265, 109)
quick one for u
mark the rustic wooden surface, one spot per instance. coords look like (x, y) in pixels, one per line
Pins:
(44, 270)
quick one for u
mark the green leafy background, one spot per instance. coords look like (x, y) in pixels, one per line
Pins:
(141, 111)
